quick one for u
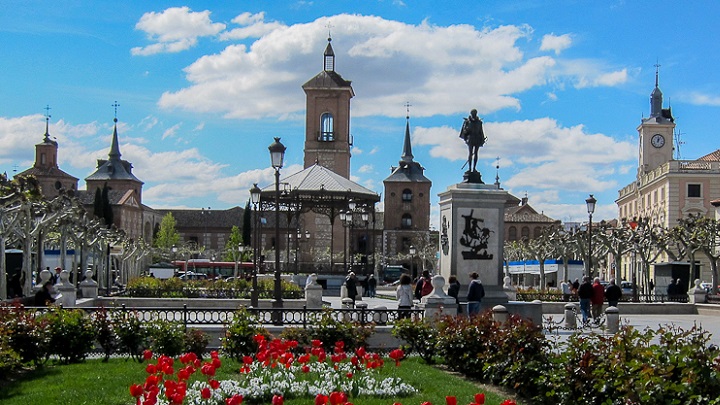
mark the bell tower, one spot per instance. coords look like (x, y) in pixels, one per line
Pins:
(327, 121)
(655, 133)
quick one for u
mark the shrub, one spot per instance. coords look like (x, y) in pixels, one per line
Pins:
(420, 337)
(329, 330)
(132, 336)
(26, 335)
(9, 359)
(166, 337)
(105, 333)
(196, 341)
(71, 334)
(238, 340)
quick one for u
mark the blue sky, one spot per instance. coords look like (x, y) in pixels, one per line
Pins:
(204, 86)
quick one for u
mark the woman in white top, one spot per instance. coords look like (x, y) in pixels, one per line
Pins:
(404, 294)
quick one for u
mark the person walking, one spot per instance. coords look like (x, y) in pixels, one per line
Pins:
(404, 295)
(585, 293)
(475, 294)
(372, 285)
(454, 291)
(613, 293)
(597, 299)
(566, 287)
(351, 285)
(44, 296)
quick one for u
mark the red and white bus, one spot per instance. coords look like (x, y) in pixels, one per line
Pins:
(213, 269)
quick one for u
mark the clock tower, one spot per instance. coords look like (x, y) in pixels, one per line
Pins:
(656, 133)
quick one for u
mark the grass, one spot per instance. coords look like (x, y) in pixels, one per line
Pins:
(97, 383)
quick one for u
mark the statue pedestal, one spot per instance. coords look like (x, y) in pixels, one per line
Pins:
(472, 234)
(438, 304)
(313, 294)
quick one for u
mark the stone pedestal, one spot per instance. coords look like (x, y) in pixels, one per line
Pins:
(67, 294)
(697, 295)
(89, 287)
(472, 233)
(438, 304)
(313, 293)
(45, 276)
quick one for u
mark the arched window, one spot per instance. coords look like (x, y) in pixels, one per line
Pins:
(536, 232)
(327, 128)
(407, 195)
(512, 233)
(406, 221)
(525, 233)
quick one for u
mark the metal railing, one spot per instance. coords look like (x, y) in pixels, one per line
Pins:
(555, 297)
(304, 317)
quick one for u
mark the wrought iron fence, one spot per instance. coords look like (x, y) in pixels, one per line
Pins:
(555, 297)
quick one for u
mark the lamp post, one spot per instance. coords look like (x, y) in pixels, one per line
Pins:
(277, 154)
(633, 226)
(590, 202)
(412, 261)
(365, 217)
(344, 221)
(255, 199)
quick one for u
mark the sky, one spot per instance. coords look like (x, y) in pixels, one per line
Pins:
(204, 86)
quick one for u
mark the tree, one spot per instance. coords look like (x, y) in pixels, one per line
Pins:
(541, 248)
(232, 247)
(167, 236)
(247, 225)
(704, 233)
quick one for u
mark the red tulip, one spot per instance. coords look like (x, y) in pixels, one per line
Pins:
(305, 369)
(508, 402)
(214, 384)
(277, 400)
(147, 355)
(205, 393)
(321, 399)
(480, 399)
(151, 369)
(136, 390)
(337, 398)
(451, 400)
(426, 403)
(234, 400)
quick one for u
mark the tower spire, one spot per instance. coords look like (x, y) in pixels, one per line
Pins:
(47, 123)
(656, 96)
(115, 147)
(497, 172)
(329, 55)
(407, 155)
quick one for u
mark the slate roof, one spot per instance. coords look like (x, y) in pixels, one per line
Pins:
(113, 168)
(318, 179)
(46, 172)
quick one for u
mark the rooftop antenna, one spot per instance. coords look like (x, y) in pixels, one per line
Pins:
(678, 141)
(407, 109)
(115, 105)
(497, 172)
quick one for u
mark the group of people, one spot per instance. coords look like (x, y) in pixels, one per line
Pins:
(351, 283)
(593, 295)
(405, 293)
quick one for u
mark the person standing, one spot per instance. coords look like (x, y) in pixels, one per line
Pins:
(475, 294)
(424, 285)
(454, 291)
(44, 297)
(404, 295)
(672, 289)
(351, 285)
(585, 293)
(598, 298)
(372, 284)
(566, 290)
(613, 293)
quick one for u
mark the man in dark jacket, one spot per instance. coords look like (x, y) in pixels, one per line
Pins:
(585, 294)
(475, 294)
(613, 293)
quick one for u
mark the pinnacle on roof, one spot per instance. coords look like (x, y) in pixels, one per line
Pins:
(407, 155)
(329, 57)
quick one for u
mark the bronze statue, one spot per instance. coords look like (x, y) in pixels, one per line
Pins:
(472, 134)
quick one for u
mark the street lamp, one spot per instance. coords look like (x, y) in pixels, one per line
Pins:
(633, 226)
(344, 221)
(412, 260)
(590, 209)
(255, 199)
(277, 154)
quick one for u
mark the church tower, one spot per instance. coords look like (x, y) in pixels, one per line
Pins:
(407, 203)
(49, 176)
(327, 120)
(656, 133)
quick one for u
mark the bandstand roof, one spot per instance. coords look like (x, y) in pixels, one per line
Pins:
(319, 189)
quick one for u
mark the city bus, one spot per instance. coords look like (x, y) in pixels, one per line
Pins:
(213, 269)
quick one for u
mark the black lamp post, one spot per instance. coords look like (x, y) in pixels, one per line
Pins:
(255, 199)
(412, 260)
(344, 220)
(590, 209)
(277, 154)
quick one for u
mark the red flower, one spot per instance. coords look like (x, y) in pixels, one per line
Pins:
(508, 402)
(214, 384)
(426, 403)
(316, 343)
(451, 400)
(216, 362)
(136, 390)
(259, 339)
(321, 399)
(397, 355)
(337, 398)
(305, 369)
(480, 399)
(214, 354)
(205, 393)
(349, 375)
(208, 370)
(235, 399)
(277, 400)
(151, 369)
(247, 359)
(147, 355)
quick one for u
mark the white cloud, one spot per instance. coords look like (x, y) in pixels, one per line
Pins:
(366, 169)
(170, 132)
(175, 29)
(556, 43)
(697, 98)
(252, 26)
(148, 122)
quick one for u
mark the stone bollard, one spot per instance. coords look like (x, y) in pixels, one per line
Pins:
(570, 320)
(380, 317)
(45, 276)
(347, 303)
(67, 294)
(500, 314)
(697, 295)
(362, 315)
(613, 319)
(313, 293)
(89, 287)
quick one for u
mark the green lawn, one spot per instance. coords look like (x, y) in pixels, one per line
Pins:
(97, 383)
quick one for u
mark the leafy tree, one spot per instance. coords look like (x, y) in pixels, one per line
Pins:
(703, 233)
(232, 248)
(541, 248)
(167, 236)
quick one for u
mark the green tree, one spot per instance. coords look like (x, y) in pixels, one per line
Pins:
(167, 236)
(232, 248)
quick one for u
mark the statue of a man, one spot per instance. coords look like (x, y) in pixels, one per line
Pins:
(472, 134)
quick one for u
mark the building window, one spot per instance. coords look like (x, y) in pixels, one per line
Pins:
(525, 233)
(512, 233)
(406, 221)
(537, 232)
(694, 191)
(407, 195)
(327, 128)
(43, 159)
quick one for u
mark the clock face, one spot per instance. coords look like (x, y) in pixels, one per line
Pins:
(657, 141)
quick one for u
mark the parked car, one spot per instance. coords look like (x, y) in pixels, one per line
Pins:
(627, 288)
(189, 275)
(706, 286)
